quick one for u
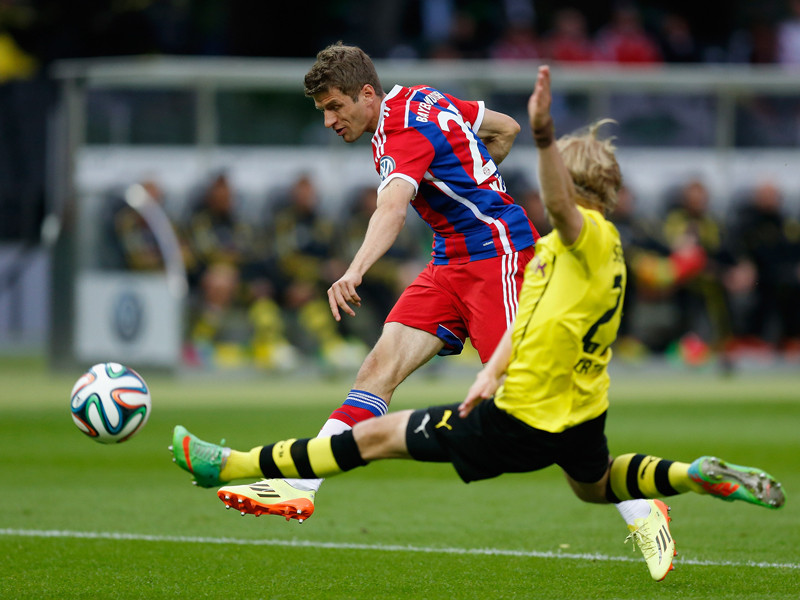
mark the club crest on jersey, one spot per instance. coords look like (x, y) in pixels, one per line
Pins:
(386, 165)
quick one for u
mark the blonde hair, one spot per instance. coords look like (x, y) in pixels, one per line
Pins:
(592, 164)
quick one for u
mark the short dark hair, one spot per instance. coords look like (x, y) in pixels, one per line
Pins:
(347, 68)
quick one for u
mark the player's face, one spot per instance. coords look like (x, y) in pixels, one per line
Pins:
(348, 118)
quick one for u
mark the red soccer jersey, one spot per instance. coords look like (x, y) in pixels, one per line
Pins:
(429, 139)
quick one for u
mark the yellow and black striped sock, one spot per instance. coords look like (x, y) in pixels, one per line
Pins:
(643, 476)
(241, 465)
(311, 458)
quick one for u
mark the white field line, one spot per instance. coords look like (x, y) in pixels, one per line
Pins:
(137, 537)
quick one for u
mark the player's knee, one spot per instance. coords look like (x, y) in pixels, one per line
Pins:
(382, 437)
(589, 494)
(594, 493)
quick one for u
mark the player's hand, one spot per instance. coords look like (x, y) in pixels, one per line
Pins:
(539, 102)
(484, 387)
(343, 293)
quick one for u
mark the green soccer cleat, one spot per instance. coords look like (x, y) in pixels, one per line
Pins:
(731, 482)
(269, 497)
(202, 459)
(651, 534)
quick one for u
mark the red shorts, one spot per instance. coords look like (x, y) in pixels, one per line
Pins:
(476, 300)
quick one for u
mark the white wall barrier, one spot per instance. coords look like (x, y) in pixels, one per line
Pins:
(130, 318)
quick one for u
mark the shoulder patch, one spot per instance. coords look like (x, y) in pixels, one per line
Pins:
(386, 166)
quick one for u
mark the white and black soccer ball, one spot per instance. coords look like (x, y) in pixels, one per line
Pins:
(110, 403)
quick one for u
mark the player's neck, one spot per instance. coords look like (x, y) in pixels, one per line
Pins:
(372, 127)
(585, 203)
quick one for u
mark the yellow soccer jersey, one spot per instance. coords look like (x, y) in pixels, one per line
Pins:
(569, 312)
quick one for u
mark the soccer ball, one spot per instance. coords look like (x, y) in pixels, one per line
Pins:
(110, 403)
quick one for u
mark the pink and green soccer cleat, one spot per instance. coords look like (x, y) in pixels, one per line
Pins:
(202, 459)
(732, 482)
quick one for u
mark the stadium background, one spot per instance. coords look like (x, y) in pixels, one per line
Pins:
(194, 100)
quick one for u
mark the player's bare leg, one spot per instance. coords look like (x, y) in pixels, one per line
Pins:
(399, 351)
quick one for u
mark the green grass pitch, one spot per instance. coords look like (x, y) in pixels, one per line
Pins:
(83, 520)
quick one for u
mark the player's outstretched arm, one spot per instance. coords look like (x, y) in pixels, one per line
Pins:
(557, 189)
(498, 132)
(384, 226)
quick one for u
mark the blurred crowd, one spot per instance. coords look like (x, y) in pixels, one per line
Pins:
(258, 282)
(40, 31)
(703, 288)
(34, 33)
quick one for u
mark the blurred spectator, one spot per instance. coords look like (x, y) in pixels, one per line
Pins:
(228, 330)
(695, 238)
(531, 201)
(235, 320)
(653, 317)
(763, 42)
(632, 236)
(219, 329)
(436, 17)
(304, 246)
(518, 42)
(134, 239)
(216, 234)
(525, 194)
(756, 43)
(388, 277)
(788, 41)
(465, 40)
(651, 277)
(625, 40)
(569, 41)
(678, 44)
(769, 241)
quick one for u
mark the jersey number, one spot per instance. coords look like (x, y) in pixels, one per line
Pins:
(480, 171)
(590, 346)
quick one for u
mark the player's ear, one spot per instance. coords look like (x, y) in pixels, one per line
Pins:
(368, 93)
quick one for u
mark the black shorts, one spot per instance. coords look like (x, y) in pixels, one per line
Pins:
(489, 442)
